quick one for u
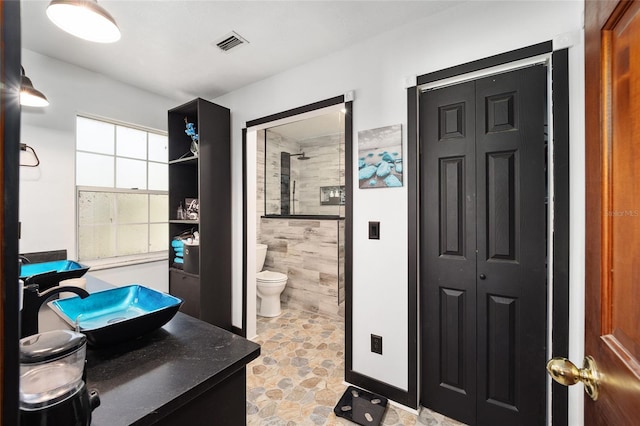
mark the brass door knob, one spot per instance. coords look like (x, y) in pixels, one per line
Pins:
(566, 373)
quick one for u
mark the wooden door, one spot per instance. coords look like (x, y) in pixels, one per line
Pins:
(448, 262)
(484, 239)
(612, 42)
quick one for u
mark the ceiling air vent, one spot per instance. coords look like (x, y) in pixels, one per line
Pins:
(230, 41)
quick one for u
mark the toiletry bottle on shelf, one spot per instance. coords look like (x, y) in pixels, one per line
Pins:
(180, 212)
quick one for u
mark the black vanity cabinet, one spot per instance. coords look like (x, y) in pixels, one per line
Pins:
(205, 285)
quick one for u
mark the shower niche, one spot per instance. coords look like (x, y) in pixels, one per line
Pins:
(304, 167)
(332, 195)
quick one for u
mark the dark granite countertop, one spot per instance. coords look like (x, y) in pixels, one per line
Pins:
(141, 381)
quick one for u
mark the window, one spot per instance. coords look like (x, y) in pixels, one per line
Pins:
(122, 182)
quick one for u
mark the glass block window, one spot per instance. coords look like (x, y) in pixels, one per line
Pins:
(122, 182)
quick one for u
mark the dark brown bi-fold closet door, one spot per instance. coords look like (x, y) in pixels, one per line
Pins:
(483, 249)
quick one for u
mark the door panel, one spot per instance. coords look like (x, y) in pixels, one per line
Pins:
(501, 205)
(484, 248)
(612, 88)
(501, 337)
(624, 213)
(448, 239)
(511, 228)
(452, 204)
(452, 313)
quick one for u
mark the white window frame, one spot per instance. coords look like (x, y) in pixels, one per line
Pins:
(123, 260)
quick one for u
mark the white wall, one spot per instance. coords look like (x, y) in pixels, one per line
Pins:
(152, 274)
(376, 70)
(47, 193)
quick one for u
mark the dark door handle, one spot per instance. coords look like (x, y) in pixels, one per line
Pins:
(483, 277)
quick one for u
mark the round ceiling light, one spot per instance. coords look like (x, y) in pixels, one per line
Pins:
(84, 19)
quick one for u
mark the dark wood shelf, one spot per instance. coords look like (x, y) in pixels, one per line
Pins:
(193, 160)
(206, 177)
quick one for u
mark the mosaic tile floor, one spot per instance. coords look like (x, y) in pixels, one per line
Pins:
(298, 378)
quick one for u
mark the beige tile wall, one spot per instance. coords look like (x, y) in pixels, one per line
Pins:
(309, 252)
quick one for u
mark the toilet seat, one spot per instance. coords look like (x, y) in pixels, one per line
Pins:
(270, 277)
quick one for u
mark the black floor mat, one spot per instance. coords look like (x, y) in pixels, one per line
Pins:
(361, 407)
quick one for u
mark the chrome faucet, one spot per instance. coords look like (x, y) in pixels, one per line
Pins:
(33, 300)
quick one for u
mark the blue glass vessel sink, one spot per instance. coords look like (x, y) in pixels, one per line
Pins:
(49, 274)
(118, 314)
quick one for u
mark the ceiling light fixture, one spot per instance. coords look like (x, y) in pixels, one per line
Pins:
(29, 96)
(84, 19)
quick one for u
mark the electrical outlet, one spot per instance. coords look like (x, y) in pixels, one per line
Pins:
(376, 344)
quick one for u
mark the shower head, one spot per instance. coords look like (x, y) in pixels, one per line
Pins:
(300, 156)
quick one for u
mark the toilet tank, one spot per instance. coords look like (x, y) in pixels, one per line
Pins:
(261, 254)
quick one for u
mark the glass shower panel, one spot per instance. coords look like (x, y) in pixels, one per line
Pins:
(304, 167)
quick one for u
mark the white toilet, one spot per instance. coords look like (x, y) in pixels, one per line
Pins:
(269, 285)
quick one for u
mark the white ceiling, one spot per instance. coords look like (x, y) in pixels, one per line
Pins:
(168, 46)
(313, 127)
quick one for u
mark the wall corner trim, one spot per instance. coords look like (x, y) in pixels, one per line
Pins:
(410, 81)
(566, 40)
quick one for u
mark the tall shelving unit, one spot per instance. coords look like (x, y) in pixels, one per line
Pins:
(207, 177)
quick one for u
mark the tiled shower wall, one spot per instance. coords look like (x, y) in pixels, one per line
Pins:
(311, 254)
(325, 167)
(276, 145)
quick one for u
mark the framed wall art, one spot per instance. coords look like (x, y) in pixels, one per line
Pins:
(380, 157)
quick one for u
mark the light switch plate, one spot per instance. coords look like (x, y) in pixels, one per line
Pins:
(374, 230)
(376, 344)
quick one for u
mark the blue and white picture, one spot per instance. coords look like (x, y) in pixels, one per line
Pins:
(380, 157)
